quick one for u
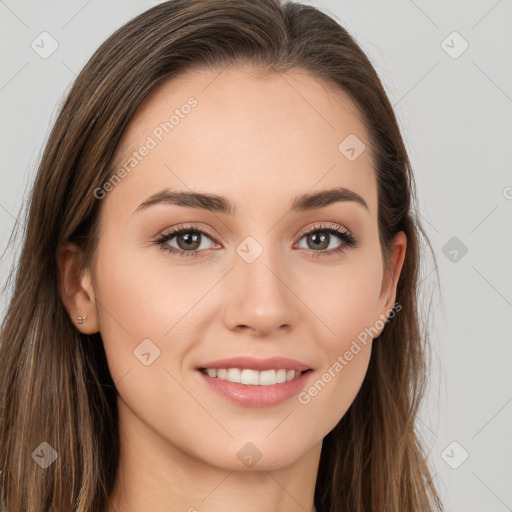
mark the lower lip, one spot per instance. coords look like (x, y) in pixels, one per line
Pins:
(256, 395)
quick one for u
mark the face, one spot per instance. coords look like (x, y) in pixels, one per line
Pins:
(262, 280)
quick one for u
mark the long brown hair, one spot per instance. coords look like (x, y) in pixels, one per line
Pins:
(54, 381)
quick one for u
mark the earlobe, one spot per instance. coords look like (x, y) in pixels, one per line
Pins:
(76, 289)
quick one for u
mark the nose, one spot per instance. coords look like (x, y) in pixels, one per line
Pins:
(260, 297)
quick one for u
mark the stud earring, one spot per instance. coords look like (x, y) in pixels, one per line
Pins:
(80, 319)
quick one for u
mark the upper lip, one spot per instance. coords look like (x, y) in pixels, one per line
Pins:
(252, 363)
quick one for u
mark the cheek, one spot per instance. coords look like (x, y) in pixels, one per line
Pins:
(344, 297)
(346, 351)
(138, 301)
(347, 305)
(146, 315)
(331, 394)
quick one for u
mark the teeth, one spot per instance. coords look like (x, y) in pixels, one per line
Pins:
(253, 377)
(268, 377)
(234, 375)
(250, 377)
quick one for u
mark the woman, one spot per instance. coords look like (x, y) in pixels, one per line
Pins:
(215, 305)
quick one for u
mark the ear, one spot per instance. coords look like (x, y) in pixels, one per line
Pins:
(391, 274)
(76, 288)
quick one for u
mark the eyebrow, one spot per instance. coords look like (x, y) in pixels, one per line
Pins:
(219, 204)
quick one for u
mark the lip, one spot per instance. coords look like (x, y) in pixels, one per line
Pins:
(252, 363)
(256, 395)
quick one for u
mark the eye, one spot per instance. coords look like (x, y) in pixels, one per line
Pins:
(189, 240)
(321, 237)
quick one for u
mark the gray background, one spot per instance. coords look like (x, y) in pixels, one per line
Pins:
(455, 114)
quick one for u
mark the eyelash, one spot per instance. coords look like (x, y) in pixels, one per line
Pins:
(347, 239)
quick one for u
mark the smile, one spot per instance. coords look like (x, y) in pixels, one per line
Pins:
(252, 377)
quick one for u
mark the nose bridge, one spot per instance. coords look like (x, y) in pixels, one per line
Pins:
(261, 295)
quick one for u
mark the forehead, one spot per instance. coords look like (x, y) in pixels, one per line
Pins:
(239, 134)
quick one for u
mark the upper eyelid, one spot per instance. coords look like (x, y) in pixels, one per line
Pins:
(174, 231)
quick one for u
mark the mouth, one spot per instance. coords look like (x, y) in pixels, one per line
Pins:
(251, 377)
(246, 387)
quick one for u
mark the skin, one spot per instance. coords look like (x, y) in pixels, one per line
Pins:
(259, 141)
